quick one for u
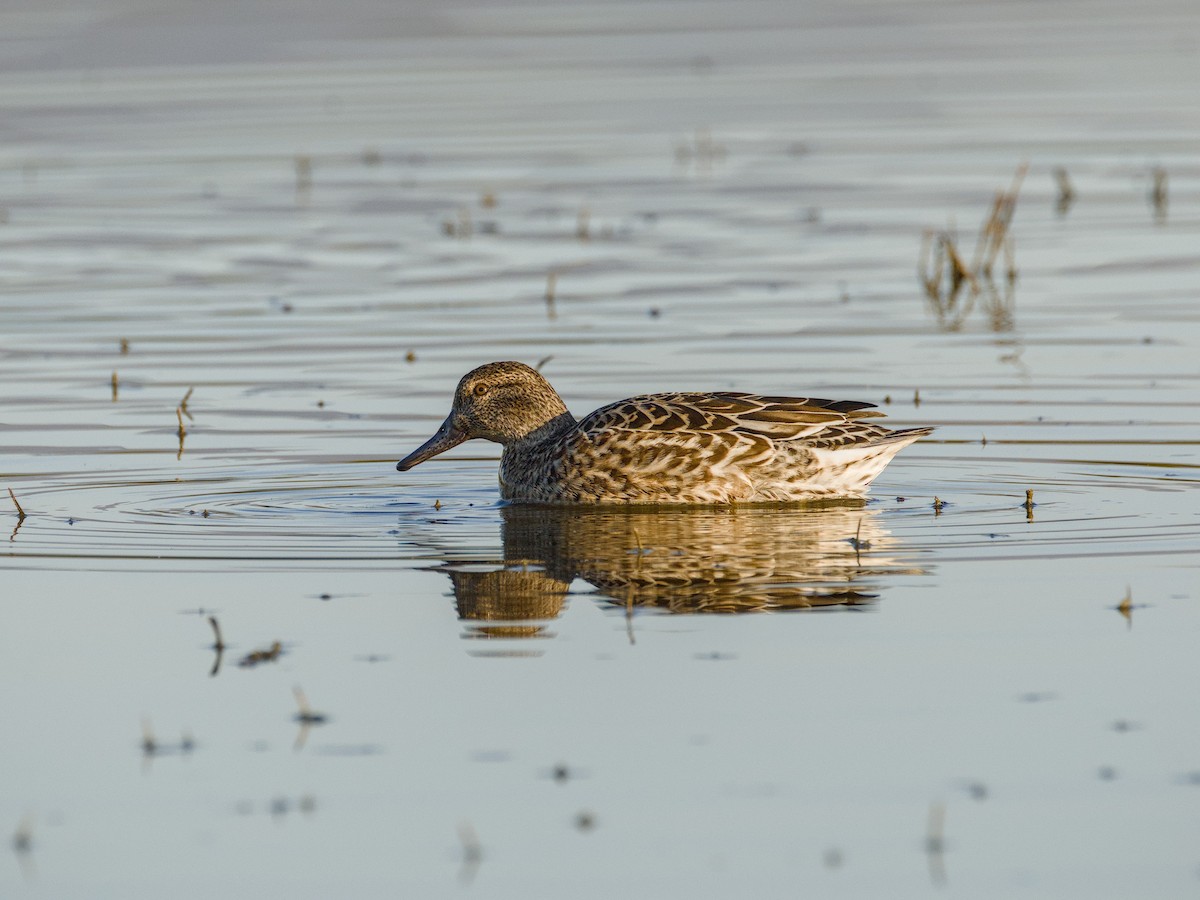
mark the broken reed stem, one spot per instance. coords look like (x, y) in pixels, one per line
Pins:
(184, 402)
(17, 503)
(995, 227)
(219, 642)
(179, 417)
(114, 385)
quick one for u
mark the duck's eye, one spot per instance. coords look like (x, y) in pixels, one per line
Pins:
(480, 390)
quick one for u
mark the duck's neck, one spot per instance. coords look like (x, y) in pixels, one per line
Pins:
(547, 431)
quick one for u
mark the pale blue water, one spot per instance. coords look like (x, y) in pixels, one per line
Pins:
(741, 702)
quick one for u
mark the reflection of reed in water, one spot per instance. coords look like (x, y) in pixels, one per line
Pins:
(683, 559)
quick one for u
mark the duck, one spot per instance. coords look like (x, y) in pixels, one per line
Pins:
(719, 447)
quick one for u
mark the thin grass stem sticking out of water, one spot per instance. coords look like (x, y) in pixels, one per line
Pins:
(1066, 193)
(304, 179)
(182, 431)
(551, 288)
(184, 402)
(114, 386)
(1158, 193)
(935, 843)
(17, 504)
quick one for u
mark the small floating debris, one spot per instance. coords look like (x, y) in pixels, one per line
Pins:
(114, 386)
(938, 505)
(152, 747)
(585, 821)
(462, 228)
(22, 839)
(1127, 606)
(124, 346)
(255, 657)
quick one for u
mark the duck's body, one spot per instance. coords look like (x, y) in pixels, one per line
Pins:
(723, 447)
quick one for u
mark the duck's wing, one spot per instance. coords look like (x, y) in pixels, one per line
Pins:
(738, 415)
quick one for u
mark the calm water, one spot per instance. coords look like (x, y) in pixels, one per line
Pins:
(311, 235)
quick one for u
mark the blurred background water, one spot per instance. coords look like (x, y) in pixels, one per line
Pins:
(286, 230)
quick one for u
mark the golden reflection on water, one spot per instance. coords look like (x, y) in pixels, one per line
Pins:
(682, 560)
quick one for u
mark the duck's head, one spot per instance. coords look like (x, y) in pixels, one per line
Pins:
(501, 402)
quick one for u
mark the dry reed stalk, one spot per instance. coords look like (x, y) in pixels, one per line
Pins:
(943, 271)
(17, 503)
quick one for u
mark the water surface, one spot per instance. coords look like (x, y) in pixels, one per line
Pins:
(311, 237)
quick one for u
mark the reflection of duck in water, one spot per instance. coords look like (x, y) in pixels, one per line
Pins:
(689, 559)
(724, 447)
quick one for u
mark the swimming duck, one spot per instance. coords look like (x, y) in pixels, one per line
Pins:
(719, 447)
